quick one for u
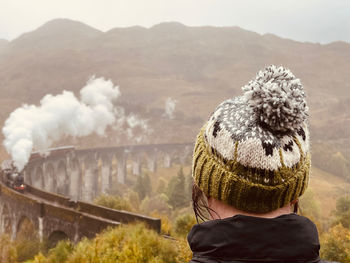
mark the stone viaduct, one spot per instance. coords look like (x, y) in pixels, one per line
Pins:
(62, 182)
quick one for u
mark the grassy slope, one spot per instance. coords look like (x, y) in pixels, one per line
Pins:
(327, 188)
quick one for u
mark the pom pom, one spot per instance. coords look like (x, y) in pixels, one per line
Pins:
(277, 98)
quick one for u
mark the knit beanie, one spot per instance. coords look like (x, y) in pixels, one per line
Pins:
(253, 152)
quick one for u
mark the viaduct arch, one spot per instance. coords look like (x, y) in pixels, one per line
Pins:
(62, 184)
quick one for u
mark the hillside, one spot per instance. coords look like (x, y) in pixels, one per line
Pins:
(197, 66)
(327, 188)
(3, 44)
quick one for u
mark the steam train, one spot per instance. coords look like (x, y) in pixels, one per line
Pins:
(11, 177)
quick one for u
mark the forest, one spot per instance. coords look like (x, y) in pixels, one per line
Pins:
(166, 194)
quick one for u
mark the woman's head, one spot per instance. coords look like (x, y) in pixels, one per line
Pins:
(253, 153)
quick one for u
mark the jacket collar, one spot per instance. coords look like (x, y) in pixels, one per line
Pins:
(246, 238)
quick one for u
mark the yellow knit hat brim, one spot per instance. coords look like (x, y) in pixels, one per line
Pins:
(235, 185)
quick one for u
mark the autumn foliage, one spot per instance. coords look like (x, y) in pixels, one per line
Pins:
(127, 244)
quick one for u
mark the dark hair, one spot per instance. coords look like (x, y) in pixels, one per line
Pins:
(296, 207)
(200, 204)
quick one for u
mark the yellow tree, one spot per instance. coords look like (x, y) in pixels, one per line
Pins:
(336, 244)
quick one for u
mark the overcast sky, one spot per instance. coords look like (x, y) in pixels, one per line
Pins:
(321, 21)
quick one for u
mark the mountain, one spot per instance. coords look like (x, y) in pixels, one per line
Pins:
(58, 33)
(197, 66)
(3, 44)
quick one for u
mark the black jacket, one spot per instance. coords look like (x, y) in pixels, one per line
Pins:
(286, 238)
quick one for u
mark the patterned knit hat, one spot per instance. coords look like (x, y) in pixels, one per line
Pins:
(253, 153)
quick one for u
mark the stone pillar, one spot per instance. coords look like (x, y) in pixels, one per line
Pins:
(152, 164)
(121, 173)
(68, 180)
(38, 177)
(28, 175)
(106, 172)
(89, 179)
(62, 177)
(6, 220)
(49, 174)
(2, 219)
(76, 232)
(167, 160)
(136, 165)
(13, 228)
(46, 185)
(41, 228)
(75, 179)
(183, 158)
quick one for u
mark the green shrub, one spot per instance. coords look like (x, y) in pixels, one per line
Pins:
(309, 206)
(27, 241)
(127, 244)
(176, 191)
(161, 188)
(342, 211)
(183, 224)
(166, 224)
(27, 249)
(184, 251)
(158, 203)
(143, 186)
(114, 202)
(131, 243)
(58, 254)
(132, 198)
(8, 252)
(336, 244)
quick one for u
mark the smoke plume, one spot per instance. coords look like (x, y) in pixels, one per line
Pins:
(170, 105)
(38, 127)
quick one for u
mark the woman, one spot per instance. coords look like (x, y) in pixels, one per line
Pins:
(251, 163)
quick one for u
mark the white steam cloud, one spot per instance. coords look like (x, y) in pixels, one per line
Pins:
(38, 127)
(170, 105)
(132, 126)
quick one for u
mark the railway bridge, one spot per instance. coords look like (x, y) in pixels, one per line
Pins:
(62, 182)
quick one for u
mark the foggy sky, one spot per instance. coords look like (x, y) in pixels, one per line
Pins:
(321, 21)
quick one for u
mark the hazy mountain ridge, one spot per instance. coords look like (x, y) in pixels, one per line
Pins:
(3, 44)
(198, 66)
(56, 33)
